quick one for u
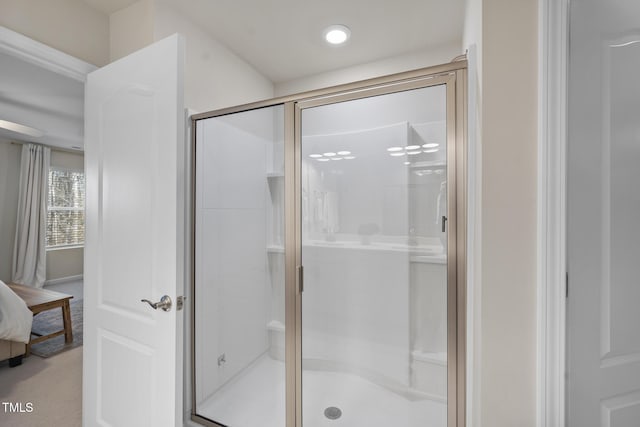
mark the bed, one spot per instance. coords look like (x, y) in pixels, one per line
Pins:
(15, 326)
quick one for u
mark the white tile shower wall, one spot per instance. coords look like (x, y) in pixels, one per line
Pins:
(356, 310)
(428, 340)
(370, 189)
(429, 307)
(371, 308)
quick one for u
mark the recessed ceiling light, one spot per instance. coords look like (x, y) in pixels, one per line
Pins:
(430, 145)
(337, 34)
(394, 149)
(344, 153)
(396, 154)
(350, 157)
(336, 158)
(411, 147)
(433, 150)
(407, 163)
(412, 153)
(329, 154)
(323, 160)
(315, 156)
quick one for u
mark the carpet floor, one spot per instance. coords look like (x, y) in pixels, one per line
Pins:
(53, 386)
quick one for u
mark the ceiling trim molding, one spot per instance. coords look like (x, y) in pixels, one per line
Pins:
(34, 52)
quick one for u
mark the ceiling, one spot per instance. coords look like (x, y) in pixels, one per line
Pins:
(282, 39)
(33, 96)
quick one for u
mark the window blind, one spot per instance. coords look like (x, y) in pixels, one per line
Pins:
(65, 208)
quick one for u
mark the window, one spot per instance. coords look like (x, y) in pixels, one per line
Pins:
(65, 208)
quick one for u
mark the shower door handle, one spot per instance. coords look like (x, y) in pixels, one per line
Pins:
(300, 278)
(164, 303)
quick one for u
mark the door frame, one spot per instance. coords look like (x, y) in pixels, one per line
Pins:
(553, 32)
(454, 75)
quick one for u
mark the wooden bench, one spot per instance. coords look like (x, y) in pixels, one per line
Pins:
(39, 300)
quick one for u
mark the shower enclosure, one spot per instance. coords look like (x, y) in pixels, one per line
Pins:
(328, 256)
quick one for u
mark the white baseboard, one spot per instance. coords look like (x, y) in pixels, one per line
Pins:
(63, 280)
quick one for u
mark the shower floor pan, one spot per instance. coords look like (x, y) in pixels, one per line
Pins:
(256, 399)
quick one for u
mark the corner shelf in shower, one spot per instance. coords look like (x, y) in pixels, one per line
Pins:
(413, 258)
(428, 259)
(275, 249)
(437, 164)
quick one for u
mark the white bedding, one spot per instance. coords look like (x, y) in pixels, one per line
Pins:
(15, 316)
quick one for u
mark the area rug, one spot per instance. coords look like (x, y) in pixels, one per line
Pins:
(50, 321)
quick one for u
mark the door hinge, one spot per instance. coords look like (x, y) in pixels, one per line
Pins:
(300, 279)
(566, 285)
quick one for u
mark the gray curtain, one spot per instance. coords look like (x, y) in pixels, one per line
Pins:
(29, 251)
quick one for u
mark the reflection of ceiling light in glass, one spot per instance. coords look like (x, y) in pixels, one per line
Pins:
(394, 149)
(411, 147)
(329, 154)
(315, 156)
(433, 150)
(336, 158)
(407, 163)
(430, 145)
(396, 154)
(323, 160)
(411, 153)
(344, 153)
(350, 157)
(428, 172)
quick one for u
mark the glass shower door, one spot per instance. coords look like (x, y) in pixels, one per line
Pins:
(374, 208)
(239, 319)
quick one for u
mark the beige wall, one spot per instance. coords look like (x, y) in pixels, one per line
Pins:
(63, 263)
(411, 61)
(131, 29)
(71, 26)
(67, 159)
(509, 173)
(9, 183)
(215, 77)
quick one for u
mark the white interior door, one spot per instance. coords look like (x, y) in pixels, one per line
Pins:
(604, 215)
(134, 158)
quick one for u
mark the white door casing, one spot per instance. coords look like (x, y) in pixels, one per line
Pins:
(552, 151)
(603, 345)
(134, 162)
